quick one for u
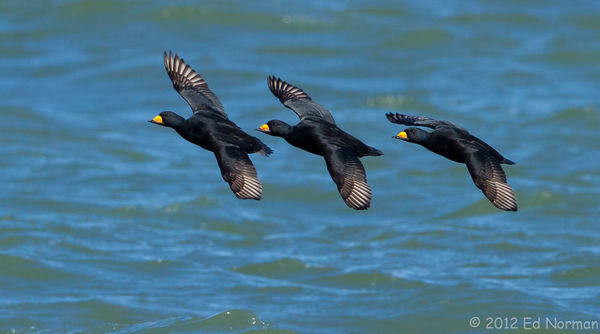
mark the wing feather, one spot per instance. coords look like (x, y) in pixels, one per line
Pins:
(191, 86)
(237, 170)
(349, 175)
(419, 121)
(297, 100)
(489, 176)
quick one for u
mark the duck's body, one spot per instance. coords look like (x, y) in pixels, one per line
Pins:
(210, 128)
(317, 133)
(320, 137)
(457, 144)
(210, 131)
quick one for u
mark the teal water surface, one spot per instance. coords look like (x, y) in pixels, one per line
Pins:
(112, 224)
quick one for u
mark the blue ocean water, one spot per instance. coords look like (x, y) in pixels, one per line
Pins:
(111, 224)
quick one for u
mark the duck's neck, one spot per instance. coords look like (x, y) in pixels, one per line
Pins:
(421, 137)
(282, 130)
(176, 122)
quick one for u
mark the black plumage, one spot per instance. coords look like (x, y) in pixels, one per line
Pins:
(210, 128)
(455, 143)
(317, 133)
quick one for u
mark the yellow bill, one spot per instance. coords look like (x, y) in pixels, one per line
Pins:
(158, 119)
(264, 127)
(402, 135)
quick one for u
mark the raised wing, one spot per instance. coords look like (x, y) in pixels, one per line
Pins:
(191, 86)
(419, 121)
(237, 169)
(488, 176)
(349, 175)
(297, 100)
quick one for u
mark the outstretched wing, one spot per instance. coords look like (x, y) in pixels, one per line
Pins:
(191, 86)
(297, 100)
(349, 175)
(237, 169)
(419, 121)
(488, 176)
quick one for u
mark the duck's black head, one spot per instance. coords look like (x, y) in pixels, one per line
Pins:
(276, 128)
(168, 118)
(414, 135)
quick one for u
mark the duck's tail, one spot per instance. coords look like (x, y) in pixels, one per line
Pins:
(265, 150)
(374, 152)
